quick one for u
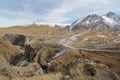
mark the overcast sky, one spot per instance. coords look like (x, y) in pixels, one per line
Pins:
(23, 12)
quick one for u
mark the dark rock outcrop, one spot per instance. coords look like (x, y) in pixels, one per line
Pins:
(15, 39)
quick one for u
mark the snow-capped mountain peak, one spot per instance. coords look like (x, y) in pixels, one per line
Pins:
(109, 21)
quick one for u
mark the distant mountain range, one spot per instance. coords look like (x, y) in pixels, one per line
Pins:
(109, 21)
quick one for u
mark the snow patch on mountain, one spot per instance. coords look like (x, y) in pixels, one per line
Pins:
(87, 22)
(109, 20)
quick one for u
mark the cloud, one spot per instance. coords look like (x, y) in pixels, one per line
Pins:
(73, 9)
(52, 11)
(60, 13)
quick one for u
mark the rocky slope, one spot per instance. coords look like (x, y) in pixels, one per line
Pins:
(109, 21)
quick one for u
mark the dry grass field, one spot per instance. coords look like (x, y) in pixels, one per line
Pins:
(44, 41)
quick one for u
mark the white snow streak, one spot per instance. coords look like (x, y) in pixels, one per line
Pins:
(109, 20)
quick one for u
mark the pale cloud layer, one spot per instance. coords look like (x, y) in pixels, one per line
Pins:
(23, 12)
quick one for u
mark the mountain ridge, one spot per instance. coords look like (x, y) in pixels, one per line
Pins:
(109, 21)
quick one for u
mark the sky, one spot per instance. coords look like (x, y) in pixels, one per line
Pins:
(24, 12)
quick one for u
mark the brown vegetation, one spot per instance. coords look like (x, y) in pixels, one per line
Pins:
(42, 41)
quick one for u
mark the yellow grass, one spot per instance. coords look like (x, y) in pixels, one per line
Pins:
(50, 76)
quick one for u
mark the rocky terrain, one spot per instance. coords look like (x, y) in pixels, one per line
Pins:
(89, 49)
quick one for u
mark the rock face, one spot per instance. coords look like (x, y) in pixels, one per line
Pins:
(15, 39)
(109, 21)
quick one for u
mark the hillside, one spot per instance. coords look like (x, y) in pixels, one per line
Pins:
(86, 50)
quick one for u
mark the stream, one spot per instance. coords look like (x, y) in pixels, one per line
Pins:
(60, 53)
